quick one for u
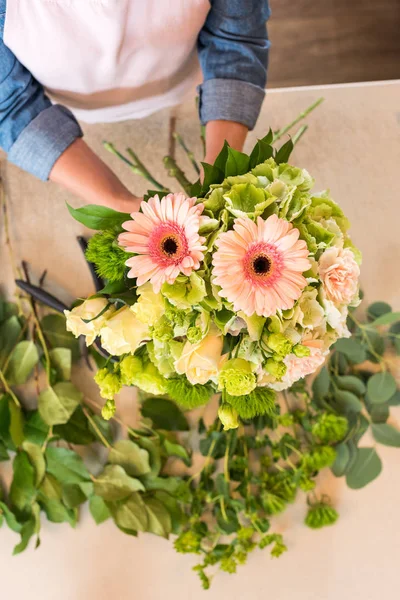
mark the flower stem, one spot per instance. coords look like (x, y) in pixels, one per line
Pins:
(96, 429)
(175, 171)
(8, 390)
(188, 152)
(301, 116)
(299, 133)
(137, 167)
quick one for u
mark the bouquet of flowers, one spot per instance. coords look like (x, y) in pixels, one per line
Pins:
(240, 286)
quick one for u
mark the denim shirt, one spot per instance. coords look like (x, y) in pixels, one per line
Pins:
(233, 52)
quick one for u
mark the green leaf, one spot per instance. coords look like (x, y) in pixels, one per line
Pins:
(16, 423)
(23, 359)
(175, 449)
(54, 329)
(237, 163)
(164, 414)
(130, 456)
(153, 447)
(98, 217)
(342, 460)
(381, 387)
(57, 404)
(260, 153)
(29, 529)
(386, 319)
(222, 157)
(394, 333)
(228, 525)
(104, 427)
(321, 383)
(114, 484)
(35, 429)
(98, 509)
(61, 360)
(379, 412)
(76, 430)
(37, 460)
(5, 416)
(212, 175)
(351, 383)
(365, 469)
(395, 399)
(7, 310)
(178, 518)
(130, 514)
(347, 401)
(4, 456)
(10, 332)
(172, 485)
(377, 309)
(56, 512)
(22, 490)
(284, 152)
(74, 494)
(10, 518)
(51, 487)
(351, 348)
(66, 465)
(159, 519)
(386, 434)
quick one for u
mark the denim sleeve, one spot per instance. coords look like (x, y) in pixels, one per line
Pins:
(33, 131)
(233, 52)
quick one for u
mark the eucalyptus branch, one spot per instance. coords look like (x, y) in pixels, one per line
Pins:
(187, 151)
(301, 116)
(175, 171)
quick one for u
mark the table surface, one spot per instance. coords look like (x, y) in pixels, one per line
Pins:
(352, 147)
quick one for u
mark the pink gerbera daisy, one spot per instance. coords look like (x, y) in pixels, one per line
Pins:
(259, 266)
(165, 238)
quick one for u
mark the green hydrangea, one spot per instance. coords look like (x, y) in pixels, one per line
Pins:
(185, 292)
(319, 458)
(143, 374)
(301, 351)
(321, 515)
(237, 377)
(260, 401)
(187, 395)
(330, 428)
(228, 416)
(108, 410)
(107, 256)
(162, 330)
(279, 344)
(277, 369)
(109, 383)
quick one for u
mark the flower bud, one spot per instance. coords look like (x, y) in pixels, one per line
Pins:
(228, 416)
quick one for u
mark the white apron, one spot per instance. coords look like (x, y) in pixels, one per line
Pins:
(109, 60)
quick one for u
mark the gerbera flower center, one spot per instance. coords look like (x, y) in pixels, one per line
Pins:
(261, 265)
(169, 246)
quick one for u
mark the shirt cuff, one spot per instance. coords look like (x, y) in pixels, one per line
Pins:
(43, 141)
(230, 100)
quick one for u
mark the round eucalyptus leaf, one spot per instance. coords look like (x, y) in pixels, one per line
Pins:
(365, 469)
(386, 434)
(381, 387)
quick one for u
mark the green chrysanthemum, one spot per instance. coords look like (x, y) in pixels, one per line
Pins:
(330, 428)
(278, 343)
(277, 369)
(237, 377)
(187, 395)
(321, 515)
(260, 401)
(142, 374)
(107, 256)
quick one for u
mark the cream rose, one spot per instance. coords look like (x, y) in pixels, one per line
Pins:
(123, 333)
(201, 362)
(339, 273)
(150, 306)
(88, 310)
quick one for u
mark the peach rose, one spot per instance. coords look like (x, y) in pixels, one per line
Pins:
(339, 274)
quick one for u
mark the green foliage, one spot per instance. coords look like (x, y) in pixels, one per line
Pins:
(106, 255)
(164, 414)
(321, 515)
(98, 217)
